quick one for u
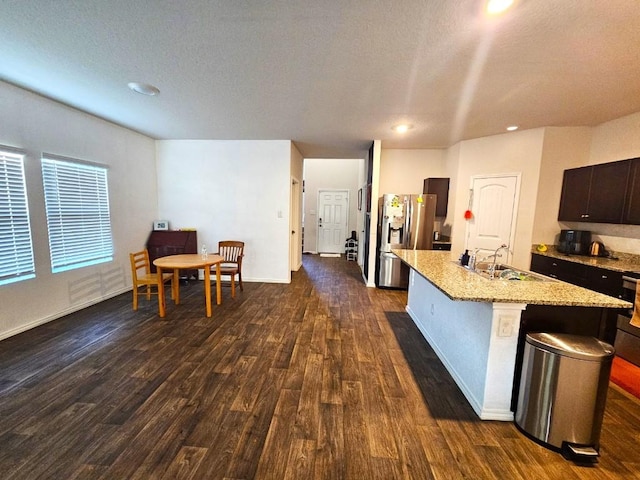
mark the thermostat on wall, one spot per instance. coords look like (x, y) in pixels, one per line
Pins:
(161, 225)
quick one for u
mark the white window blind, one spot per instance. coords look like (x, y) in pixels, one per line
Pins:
(77, 205)
(16, 249)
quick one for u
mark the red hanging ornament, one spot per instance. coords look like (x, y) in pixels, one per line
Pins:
(468, 214)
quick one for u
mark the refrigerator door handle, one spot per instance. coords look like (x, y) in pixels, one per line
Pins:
(407, 222)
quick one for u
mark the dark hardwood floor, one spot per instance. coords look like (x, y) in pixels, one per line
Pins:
(320, 379)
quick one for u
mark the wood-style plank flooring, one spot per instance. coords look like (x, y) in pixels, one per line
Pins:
(319, 379)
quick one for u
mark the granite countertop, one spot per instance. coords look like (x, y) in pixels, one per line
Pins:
(619, 262)
(458, 283)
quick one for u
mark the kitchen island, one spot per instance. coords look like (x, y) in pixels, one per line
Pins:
(477, 325)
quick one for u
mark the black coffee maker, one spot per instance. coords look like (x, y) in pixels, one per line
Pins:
(574, 242)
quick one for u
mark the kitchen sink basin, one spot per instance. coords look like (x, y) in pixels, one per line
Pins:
(507, 272)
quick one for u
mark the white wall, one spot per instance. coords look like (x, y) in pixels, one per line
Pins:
(515, 152)
(563, 147)
(330, 174)
(236, 190)
(570, 147)
(452, 165)
(541, 156)
(549, 151)
(35, 124)
(618, 139)
(404, 171)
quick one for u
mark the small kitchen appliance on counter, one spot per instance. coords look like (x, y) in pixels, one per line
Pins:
(596, 249)
(574, 242)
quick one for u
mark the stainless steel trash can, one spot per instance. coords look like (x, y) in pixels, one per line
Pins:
(563, 390)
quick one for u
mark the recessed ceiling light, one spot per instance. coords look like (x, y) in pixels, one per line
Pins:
(495, 7)
(402, 128)
(143, 88)
(511, 128)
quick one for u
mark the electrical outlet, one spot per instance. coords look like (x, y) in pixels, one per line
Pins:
(505, 326)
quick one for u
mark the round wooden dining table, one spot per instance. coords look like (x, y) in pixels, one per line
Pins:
(189, 261)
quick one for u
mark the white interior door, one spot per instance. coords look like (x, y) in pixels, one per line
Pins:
(494, 206)
(333, 207)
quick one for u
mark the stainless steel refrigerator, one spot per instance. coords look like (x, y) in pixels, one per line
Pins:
(405, 221)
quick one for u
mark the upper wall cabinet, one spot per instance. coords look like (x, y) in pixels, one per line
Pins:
(439, 186)
(597, 193)
(632, 206)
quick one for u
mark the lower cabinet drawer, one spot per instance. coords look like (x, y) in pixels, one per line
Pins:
(598, 279)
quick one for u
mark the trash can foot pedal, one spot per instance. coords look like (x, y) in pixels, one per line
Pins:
(579, 453)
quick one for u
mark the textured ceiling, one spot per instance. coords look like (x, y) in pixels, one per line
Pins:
(331, 75)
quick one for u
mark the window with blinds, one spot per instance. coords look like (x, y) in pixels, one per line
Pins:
(16, 248)
(78, 219)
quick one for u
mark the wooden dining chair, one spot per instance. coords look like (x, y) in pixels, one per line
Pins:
(232, 251)
(143, 277)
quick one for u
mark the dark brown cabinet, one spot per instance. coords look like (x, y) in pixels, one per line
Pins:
(632, 207)
(596, 193)
(575, 194)
(172, 242)
(440, 187)
(566, 271)
(604, 281)
(598, 279)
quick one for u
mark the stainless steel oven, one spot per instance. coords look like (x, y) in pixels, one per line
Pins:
(627, 341)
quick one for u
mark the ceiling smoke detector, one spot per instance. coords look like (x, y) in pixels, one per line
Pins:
(144, 88)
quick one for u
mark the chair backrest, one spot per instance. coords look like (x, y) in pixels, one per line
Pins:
(231, 250)
(139, 261)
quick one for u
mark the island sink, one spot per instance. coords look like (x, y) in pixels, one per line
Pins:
(506, 272)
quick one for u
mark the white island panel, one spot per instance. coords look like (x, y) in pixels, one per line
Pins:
(476, 342)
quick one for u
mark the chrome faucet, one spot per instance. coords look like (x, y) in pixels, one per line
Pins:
(495, 255)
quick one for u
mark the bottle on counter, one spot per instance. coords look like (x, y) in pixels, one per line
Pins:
(464, 259)
(472, 261)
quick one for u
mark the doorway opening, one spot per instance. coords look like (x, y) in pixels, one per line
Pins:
(295, 223)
